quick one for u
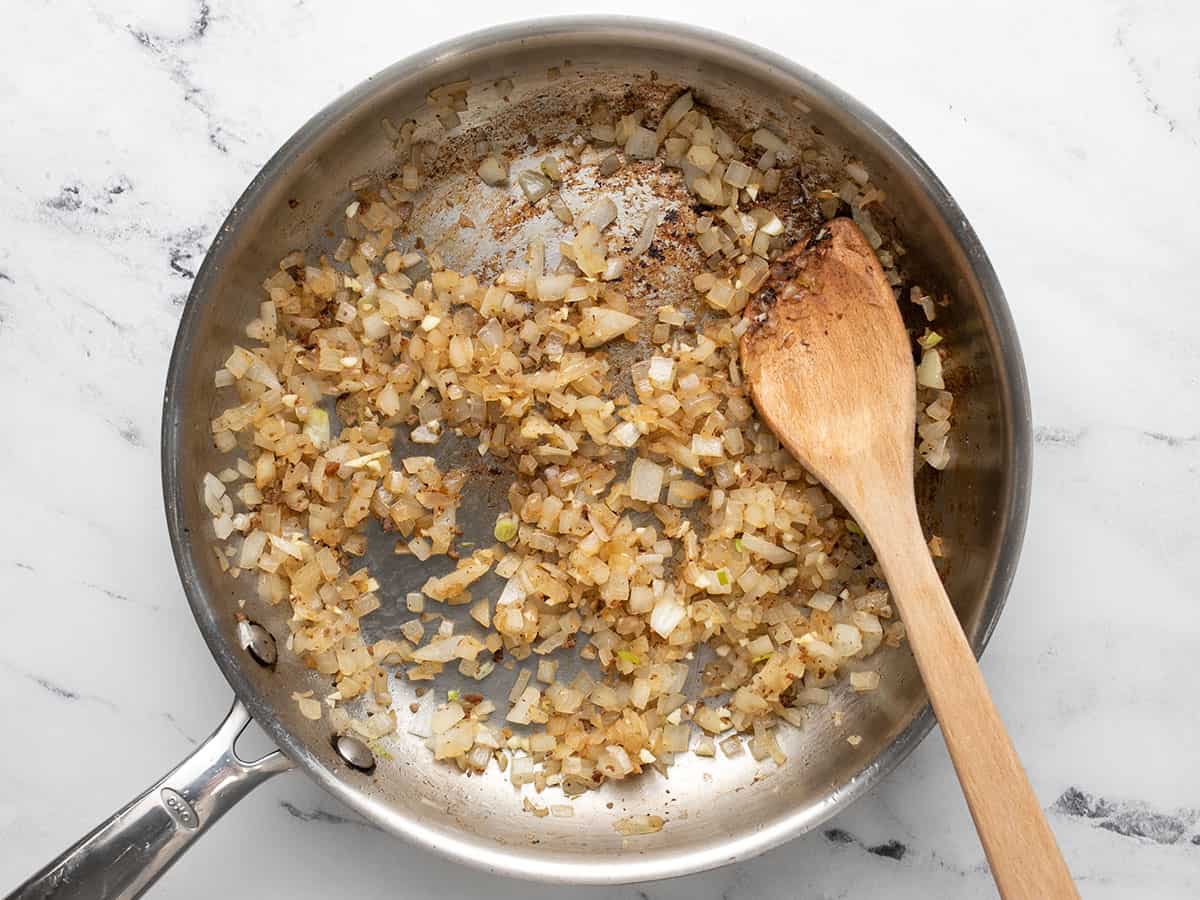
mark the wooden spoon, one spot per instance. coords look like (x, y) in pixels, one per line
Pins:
(830, 369)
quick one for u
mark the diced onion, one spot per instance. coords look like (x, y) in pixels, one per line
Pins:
(645, 480)
(864, 681)
(635, 825)
(560, 209)
(316, 427)
(493, 171)
(601, 214)
(534, 185)
(646, 237)
(772, 553)
(599, 325)
(666, 617)
(505, 530)
(642, 144)
(929, 372)
(768, 141)
(674, 115)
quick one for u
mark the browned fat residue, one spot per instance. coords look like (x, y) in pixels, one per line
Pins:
(506, 219)
(960, 381)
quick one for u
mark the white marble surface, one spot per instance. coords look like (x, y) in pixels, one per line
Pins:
(1069, 132)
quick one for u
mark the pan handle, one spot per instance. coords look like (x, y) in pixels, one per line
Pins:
(124, 856)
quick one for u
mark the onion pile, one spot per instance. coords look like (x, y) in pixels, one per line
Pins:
(659, 532)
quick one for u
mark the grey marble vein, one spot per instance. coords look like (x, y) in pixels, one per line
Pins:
(891, 849)
(60, 691)
(129, 432)
(1058, 437)
(107, 592)
(121, 597)
(179, 728)
(114, 213)
(1131, 818)
(1139, 75)
(1147, 70)
(1173, 440)
(169, 51)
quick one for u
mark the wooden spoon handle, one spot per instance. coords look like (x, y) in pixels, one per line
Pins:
(1022, 852)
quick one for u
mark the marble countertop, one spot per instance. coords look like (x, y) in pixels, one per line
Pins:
(1070, 134)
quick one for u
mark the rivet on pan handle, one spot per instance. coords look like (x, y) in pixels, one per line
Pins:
(125, 855)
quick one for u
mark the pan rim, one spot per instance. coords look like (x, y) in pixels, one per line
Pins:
(517, 861)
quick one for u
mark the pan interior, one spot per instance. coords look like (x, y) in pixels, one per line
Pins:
(715, 810)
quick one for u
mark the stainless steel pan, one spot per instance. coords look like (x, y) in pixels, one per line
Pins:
(979, 505)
